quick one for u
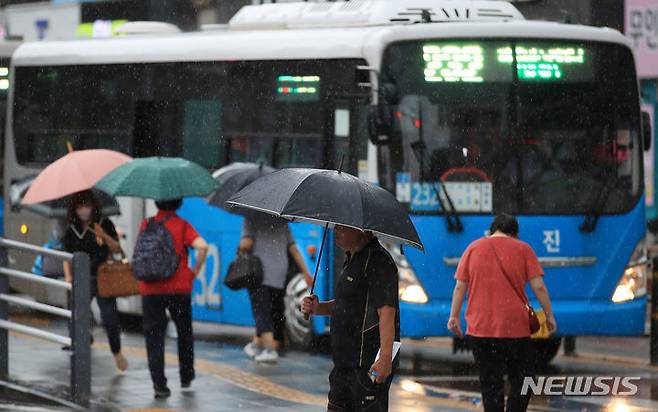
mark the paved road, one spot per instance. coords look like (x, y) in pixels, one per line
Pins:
(228, 381)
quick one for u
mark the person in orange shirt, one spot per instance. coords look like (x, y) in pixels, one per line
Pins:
(498, 330)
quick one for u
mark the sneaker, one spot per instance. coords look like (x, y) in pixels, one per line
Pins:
(185, 384)
(252, 350)
(267, 356)
(162, 393)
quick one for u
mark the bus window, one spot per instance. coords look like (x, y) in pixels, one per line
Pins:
(529, 142)
(213, 113)
(202, 124)
(157, 127)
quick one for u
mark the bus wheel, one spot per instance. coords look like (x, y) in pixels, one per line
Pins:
(298, 329)
(546, 350)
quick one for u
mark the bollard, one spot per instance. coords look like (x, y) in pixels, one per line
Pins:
(80, 334)
(653, 340)
(570, 345)
(4, 314)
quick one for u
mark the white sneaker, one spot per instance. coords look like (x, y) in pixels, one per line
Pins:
(252, 350)
(268, 356)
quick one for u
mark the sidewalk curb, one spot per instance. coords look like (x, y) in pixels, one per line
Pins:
(42, 396)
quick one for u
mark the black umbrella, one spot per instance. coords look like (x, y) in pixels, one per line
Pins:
(329, 198)
(233, 178)
(57, 208)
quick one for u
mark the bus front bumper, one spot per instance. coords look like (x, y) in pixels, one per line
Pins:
(574, 317)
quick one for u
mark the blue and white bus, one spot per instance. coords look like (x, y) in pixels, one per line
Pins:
(7, 47)
(462, 109)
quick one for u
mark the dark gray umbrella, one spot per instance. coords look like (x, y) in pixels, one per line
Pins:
(329, 198)
(57, 208)
(233, 178)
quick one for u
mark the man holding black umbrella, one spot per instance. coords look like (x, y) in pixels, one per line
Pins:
(365, 310)
(365, 320)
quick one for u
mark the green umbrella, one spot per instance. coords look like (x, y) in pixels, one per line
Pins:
(158, 178)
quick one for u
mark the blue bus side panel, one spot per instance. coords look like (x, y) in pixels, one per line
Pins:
(581, 295)
(214, 302)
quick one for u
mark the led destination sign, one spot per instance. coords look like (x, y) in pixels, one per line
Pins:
(473, 62)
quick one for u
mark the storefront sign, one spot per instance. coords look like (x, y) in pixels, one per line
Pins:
(642, 28)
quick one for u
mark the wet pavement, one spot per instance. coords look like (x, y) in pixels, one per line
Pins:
(433, 379)
(435, 367)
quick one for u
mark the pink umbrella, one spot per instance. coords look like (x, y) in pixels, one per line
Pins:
(77, 171)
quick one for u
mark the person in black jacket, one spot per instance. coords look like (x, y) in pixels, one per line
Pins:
(89, 232)
(365, 319)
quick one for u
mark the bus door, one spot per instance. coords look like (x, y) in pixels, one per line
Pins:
(347, 148)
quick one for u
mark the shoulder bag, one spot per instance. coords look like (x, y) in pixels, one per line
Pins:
(533, 320)
(245, 272)
(115, 278)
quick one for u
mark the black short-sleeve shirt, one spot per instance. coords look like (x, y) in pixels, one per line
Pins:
(77, 239)
(368, 282)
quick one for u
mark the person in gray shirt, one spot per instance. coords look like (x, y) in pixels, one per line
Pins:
(269, 238)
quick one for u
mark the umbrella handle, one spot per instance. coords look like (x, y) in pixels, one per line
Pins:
(307, 316)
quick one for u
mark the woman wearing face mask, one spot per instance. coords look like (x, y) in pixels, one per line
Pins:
(89, 232)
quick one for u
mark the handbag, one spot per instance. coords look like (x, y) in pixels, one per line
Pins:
(245, 272)
(533, 320)
(115, 278)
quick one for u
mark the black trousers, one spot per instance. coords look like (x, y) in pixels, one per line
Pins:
(268, 307)
(494, 356)
(109, 316)
(111, 322)
(155, 328)
(352, 390)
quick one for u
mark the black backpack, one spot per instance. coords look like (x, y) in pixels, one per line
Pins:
(155, 256)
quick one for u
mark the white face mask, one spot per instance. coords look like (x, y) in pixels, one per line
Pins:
(84, 213)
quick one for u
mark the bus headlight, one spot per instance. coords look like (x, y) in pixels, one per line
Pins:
(633, 283)
(410, 288)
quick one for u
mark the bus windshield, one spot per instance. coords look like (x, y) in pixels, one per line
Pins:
(213, 113)
(516, 126)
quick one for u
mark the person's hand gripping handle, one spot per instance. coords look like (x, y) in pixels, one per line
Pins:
(310, 306)
(314, 301)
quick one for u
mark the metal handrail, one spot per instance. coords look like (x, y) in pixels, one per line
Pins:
(29, 330)
(53, 310)
(35, 278)
(79, 338)
(26, 247)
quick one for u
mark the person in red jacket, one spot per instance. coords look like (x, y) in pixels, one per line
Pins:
(172, 294)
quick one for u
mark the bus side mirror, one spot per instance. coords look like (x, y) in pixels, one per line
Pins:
(362, 77)
(647, 133)
(380, 124)
(381, 119)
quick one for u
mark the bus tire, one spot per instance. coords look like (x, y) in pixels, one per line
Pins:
(299, 331)
(546, 350)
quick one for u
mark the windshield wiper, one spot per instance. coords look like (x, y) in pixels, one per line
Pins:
(592, 217)
(453, 219)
